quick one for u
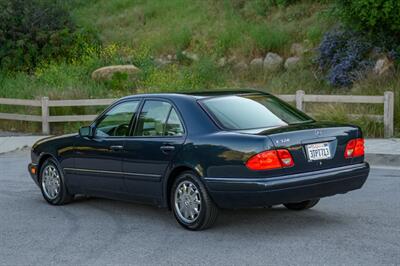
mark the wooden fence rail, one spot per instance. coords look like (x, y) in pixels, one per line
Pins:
(300, 98)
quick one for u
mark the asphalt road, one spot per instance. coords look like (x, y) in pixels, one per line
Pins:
(359, 228)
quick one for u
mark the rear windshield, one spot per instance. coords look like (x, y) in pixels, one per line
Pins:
(252, 111)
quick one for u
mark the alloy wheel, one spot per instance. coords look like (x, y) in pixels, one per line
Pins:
(51, 182)
(187, 201)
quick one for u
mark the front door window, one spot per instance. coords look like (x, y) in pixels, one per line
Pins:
(116, 122)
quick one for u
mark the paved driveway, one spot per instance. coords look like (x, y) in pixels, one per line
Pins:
(359, 228)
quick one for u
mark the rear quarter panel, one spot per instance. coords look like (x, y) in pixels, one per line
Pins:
(222, 154)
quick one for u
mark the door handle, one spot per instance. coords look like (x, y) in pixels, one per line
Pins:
(116, 147)
(167, 148)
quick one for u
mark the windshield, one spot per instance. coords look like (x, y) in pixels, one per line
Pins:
(253, 111)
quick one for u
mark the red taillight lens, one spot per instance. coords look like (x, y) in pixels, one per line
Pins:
(348, 153)
(264, 160)
(359, 149)
(272, 159)
(286, 158)
(354, 148)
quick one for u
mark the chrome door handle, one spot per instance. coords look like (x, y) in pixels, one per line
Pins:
(116, 147)
(167, 148)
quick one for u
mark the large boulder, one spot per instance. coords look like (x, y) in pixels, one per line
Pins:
(107, 72)
(272, 62)
(256, 64)
(292, 62)
(383, 66)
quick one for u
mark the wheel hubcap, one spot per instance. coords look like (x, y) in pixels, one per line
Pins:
(51, 182)
(187, 201)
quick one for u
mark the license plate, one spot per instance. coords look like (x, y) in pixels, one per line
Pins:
(318, 151)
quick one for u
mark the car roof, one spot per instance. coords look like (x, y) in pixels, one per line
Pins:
(197, 94)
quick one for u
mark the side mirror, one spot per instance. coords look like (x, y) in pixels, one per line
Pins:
(86, 132)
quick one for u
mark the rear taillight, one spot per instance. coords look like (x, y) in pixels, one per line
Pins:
(285, 158)
(354, 148)
(272, 159)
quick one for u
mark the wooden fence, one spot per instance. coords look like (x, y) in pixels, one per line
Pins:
(300, 98)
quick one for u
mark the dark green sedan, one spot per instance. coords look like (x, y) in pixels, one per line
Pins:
(197, 153)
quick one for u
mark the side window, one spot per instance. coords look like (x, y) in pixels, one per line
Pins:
(152, 118)
(116, 121)
(174, 126)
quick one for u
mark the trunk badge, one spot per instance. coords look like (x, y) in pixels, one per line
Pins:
(282, 141)
(318, 132)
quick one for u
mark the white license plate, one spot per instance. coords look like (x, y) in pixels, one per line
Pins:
(318, 151)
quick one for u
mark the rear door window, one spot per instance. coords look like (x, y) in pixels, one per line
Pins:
(158, 118)
(174, 125)
(153, 118)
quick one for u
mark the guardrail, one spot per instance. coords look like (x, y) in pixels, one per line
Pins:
(299, 98)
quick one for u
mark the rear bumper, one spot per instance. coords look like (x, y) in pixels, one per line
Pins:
(257, 192)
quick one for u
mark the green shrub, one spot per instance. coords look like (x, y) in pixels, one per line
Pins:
(205, 74)
(269, 39)
(261, 5)
(283, 2)
(181, 38)
(374, 16)
(228, 39)
(32, 31)
(251, 8)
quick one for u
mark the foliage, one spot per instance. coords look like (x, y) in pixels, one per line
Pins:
(373, 16)
(182, 38)
(261, 7)
(343, 54)
(377, 20)
(32, 31)
(206, 74)
(211, 27)
(269, 39)
(227, 40)
(137, 32)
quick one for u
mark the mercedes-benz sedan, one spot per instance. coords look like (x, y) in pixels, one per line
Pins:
(201, 152)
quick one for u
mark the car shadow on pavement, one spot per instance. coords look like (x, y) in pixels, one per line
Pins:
(278, 218)
(263, 219)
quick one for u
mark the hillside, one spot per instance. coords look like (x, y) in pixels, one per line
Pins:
(243, 28)
(144, 32)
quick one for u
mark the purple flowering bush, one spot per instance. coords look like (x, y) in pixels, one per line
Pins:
(343, 56)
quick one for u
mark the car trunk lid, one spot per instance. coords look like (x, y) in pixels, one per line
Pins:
(309, 142)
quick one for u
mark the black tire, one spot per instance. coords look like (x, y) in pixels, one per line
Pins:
(304, 205)
(208, 212)
(62, 197)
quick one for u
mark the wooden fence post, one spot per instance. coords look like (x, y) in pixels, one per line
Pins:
(388, 114)
(300, 100)
(45, 116)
